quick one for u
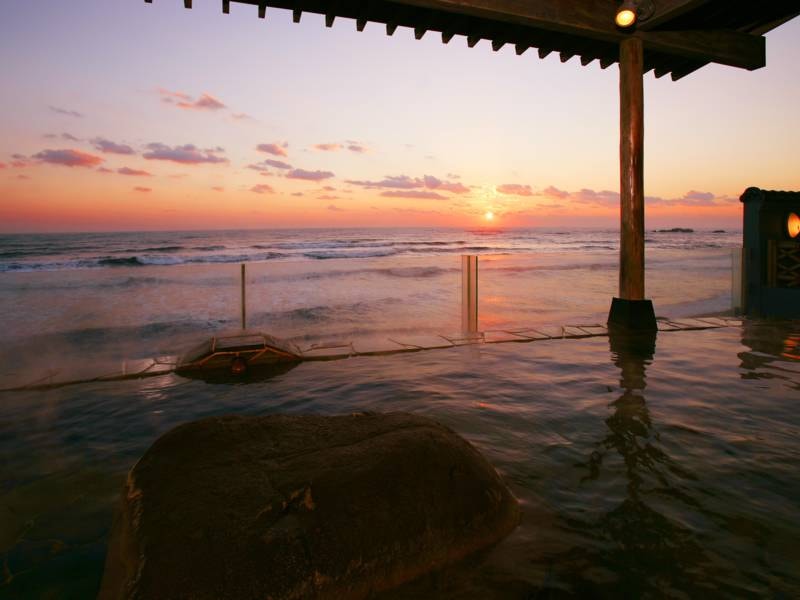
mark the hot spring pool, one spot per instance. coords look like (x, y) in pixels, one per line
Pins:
(643, 470)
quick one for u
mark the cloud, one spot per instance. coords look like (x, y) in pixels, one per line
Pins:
(298, 194)
(2, 165)
(416, 194)
(328, 197)
(64, 136)
(335, 208)
(143, 190)
(259, 167)
(104, 170)
(262, 188)
(329, 188)
(554, 192)
(133, 172)
(274, 149)
(515, 189)
(217, 188)
(350, 145)
(68, 158)
(242, 117)
(109, 147)
(605, 198)
(187, 154)
(23, 177)
(64, 111)
(278, 164)
(185, 101)
(404, 182)
(309, 175)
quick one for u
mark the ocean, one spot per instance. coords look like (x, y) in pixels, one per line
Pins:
(104, 298)
(667, 469)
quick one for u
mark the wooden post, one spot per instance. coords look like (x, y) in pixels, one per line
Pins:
(469, 293)
(244, 298)
(631, 162)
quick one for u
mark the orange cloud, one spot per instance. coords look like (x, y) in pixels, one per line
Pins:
(515, 189)
(262, 188)
(143, 190)
(274, 149)
(133, 172)
(68, 158)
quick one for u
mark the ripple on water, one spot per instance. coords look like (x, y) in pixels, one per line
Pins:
(645, 469)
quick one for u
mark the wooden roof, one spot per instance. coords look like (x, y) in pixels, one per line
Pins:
(680, 37)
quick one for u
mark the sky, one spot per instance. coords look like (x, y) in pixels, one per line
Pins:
(123, 115)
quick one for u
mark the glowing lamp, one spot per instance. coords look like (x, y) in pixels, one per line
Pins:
(626, 14)
(793, 225)
(238, 366)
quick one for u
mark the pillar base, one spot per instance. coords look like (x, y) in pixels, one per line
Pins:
(634, 315)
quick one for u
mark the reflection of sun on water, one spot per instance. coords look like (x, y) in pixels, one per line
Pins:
(489, 215)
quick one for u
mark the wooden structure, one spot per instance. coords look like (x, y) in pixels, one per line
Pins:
(677, 37)
(771, 253)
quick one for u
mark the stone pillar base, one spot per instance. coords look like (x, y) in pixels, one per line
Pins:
(634, 315)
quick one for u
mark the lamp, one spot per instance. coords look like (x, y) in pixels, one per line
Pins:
(631, 12)
(626, 14)
(793, 225)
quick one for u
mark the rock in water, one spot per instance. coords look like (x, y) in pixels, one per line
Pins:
(282, 507)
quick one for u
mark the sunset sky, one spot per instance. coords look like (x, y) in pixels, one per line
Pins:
(122, 115)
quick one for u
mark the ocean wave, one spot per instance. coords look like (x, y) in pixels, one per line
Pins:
(329, 254)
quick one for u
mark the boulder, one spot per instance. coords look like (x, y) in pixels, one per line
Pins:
(289, 507)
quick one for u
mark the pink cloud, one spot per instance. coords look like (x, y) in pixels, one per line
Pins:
(309, 175)
(335, 208)
(404, 182)
(242, 117)
(68, 158)
(274, 149)
(515, 189)
(327, 147)
(185, 101)
(218, 188)
(278, 164)
(356, 147)
(104, 170)
(415, 194)
(143, 190)
(554, 192)
(133, 172)
(64, 111)
(109, 147)
(328, 197)
(64, 136)
(262, 188)
(2, 165)
(187, 154)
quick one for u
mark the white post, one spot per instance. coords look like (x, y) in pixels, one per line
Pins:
(469, 293)
(244, 309)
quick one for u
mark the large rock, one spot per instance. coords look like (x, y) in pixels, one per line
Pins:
(301, 507)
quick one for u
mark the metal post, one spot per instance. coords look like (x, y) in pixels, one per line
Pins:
(244, 298)
(469, 293)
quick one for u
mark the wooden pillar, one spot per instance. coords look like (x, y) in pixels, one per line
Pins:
(631, 165)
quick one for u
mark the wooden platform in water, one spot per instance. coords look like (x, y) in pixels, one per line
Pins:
(261, 349)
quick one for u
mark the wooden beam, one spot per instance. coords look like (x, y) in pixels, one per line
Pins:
(497, 44)
(447, 36)
(472, 40)
(565, 56)
(606, 62)
(669, 10)
(391, 28)
(732, 48)
(187, 3)
(544, 52)
(631, 163)
(520, 49)
(329, 20)
(419, 32)
(226, 7)
(262, 10)
(360, 24)
(585, 60)
(296, 14)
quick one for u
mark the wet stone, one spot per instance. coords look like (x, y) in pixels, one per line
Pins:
(301, 507)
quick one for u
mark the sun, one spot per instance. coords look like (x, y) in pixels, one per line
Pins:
(488, 215)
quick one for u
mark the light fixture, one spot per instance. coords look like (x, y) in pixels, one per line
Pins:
(793, 225)
(626, 14)
(631, 12)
